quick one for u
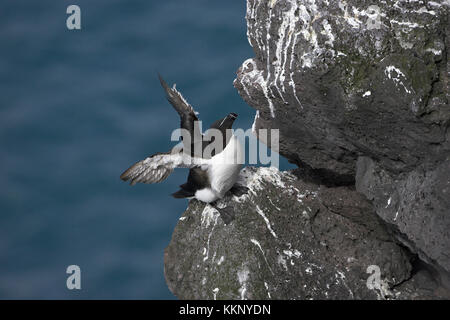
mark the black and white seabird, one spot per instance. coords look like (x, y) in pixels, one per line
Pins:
(210, 177)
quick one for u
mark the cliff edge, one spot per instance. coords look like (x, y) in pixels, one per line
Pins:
(360, 94)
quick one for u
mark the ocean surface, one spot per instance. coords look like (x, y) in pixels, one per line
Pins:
(77, 107)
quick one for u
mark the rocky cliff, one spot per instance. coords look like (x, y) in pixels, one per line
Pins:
(360, 95)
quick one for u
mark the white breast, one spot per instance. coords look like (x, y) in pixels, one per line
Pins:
(223, 171)
(225, 167)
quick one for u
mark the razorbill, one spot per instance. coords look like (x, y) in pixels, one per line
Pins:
(211, 175)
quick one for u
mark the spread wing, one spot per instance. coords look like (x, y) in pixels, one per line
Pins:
(159, 166)
(188, 117)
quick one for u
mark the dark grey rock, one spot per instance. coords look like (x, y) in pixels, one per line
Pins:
(290, 240)
(347, 80)
(339, 85)
(416, 204)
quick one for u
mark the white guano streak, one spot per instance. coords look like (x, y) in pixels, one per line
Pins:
(287, 38)
(396, 79)
(243, 277)
(269, 18)
(256, 242)
(261, 213)
(256, 76)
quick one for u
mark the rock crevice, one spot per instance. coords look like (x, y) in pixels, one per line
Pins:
(290, 240)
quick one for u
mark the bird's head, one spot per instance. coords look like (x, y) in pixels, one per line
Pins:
(227, 122)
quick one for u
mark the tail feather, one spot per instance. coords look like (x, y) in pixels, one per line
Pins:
(183, 193)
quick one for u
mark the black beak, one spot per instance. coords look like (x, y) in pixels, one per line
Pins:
(233, 115)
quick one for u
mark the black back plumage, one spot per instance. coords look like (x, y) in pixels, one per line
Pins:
(197, 178)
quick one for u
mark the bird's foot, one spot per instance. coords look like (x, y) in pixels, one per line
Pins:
(239, 190)
(227, 213)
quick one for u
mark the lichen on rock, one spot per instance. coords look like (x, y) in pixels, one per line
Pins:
(315, 61)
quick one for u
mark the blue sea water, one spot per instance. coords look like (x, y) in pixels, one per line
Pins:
(79, 107)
